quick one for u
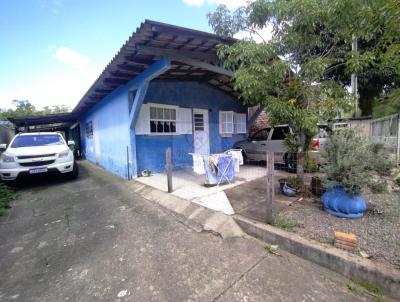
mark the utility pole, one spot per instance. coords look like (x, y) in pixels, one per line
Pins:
(354, 79)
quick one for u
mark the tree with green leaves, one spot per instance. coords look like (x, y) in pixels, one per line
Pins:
(26, 108)
(295, 75)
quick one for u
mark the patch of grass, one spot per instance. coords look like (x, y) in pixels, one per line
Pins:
(6, 196)
(378, 186)
(357, 287)
(285, 223)
(372, 288)
(270, 248)
(354, 287)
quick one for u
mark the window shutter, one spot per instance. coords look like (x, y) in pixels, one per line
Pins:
(229, 122)
(184, 121)
(240, 122)
(226, 122)
(143, 121)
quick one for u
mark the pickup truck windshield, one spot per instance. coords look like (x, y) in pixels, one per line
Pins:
(37, 140)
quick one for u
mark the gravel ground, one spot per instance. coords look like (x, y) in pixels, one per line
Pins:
(378, 231)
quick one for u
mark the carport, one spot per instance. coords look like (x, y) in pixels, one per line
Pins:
(63, 122)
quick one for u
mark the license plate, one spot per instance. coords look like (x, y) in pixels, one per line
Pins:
(38, 170)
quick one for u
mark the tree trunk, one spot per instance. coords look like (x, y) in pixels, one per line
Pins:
(300, 156)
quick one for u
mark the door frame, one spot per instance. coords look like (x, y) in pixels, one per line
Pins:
(205, 113)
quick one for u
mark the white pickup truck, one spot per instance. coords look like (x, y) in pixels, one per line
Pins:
(36, 153)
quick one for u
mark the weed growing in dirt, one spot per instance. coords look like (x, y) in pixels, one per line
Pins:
(357, 287)
(285, 223)
(354, 287)
(6, 196)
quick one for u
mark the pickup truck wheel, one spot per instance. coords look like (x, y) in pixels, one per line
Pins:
(290, 162)
(75, 172)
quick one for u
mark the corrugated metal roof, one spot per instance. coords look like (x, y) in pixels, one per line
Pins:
(151, 41)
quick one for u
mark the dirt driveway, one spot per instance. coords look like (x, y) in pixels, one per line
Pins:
(94, 240)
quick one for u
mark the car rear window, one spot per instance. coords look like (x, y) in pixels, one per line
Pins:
(37, 140)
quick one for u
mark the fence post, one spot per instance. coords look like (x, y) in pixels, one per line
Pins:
(398, 140)
(169, 166)
(270, 195)
(127, 162)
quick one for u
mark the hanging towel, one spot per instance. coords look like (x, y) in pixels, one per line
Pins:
(198, 163)
(237, 157)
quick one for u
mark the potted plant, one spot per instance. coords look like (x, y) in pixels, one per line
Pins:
(146, 173)
(351, 162)
(290, 186)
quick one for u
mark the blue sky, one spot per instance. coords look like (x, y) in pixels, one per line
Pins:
(51, 51)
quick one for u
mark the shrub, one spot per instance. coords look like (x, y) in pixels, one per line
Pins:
(378, 186)
(351, 161)
(397, 179)
(6, 196)
(285, 223)
(382, 162)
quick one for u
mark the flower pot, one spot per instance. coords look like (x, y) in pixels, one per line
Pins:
(282, 182)
(339, 203)
(317, 188)
(146, 173)
(286, 189)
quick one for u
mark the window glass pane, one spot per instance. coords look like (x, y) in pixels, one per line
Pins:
(167, 127)
(261, 135)
(159, 127)
(153, 114)
(279, 133)
(37, 140)
(153, 127)
(173, 127)
(167, 114)
(173, 114)
(160, 114)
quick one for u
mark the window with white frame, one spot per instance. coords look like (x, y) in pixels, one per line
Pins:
(89, 129)
(162, 119)
(226, 122)
(240, 123)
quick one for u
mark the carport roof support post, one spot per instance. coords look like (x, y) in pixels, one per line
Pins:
(141, 83)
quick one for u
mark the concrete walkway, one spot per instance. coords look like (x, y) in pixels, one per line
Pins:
(95, 240)
(190, 186)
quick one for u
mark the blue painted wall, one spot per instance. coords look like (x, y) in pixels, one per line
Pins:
(113, 136)
(150, 149)
(111, 123)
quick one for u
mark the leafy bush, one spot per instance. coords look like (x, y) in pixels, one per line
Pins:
(285, 223)
(378, 186)
(351, 161)
(310, 164)
(381, 163)
(294, 182)
(397, 179)
(6, 196)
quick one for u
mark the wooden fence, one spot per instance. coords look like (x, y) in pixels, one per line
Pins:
(387, 130)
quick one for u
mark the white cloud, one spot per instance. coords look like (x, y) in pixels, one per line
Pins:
(69, 57)
(55, 88)
(231, 4)
(265, 34)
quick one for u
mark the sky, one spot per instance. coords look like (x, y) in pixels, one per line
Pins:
(51, 51)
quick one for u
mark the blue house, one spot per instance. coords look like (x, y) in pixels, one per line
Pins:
(165, 88)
